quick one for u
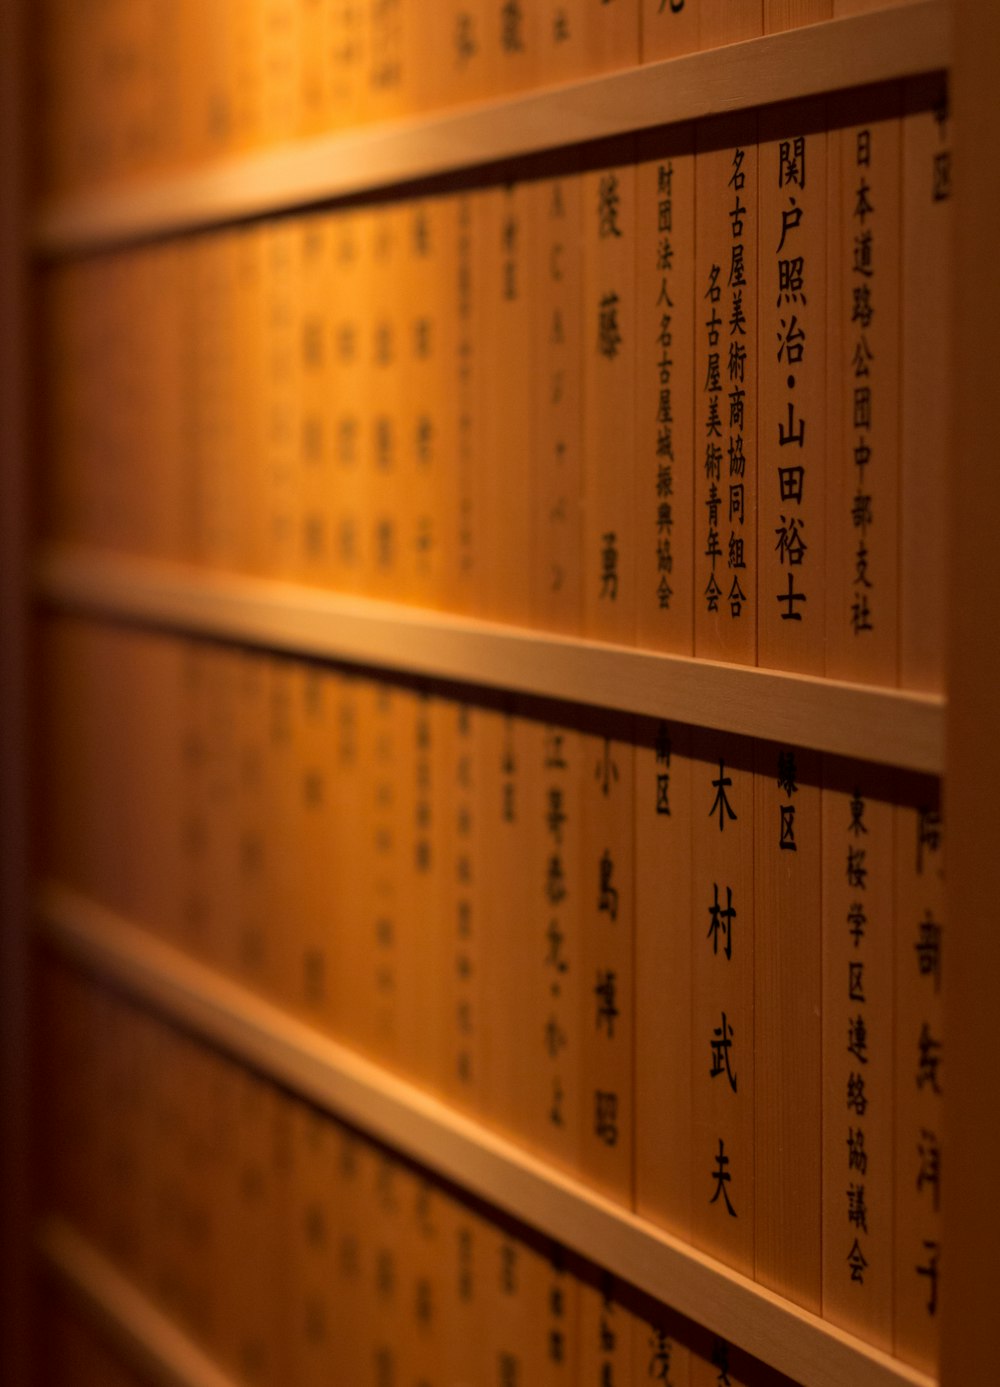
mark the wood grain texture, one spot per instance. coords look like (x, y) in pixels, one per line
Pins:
(150, 1337)
(858, 1016)
(664, 946)
(787, 1029)
(15, 1326)
(926, 418)
(810, 1351)
(723, 1171)
(818, 58)
(971, 1215)
(887, 726)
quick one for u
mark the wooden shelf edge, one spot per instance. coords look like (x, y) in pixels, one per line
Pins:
(849, 52)
(148, 1336)
(885, 726)
(462, 1150)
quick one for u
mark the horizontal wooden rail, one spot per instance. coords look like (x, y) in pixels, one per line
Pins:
(840, 53)
(149, 1338)
(872, 724)
(464, 1151)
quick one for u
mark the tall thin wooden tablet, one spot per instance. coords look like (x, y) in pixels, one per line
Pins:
(281, 283)
(606, 953)
(664, 946)
(723, 1168)
(609, 347)
(666, 316)
(606, 1331)
(792, 445)
(557, 319)
(507, 447)
(726, 464)
(919, 1116)
(858, 1053)
(254, 943)
(281, 69)
(282, 881)
(381, 341)
(350, 499)
(862, 506)
(553, 1123)
(463, 917)
(787, 967)
(925, 402)
(318, 388)
(315, 899)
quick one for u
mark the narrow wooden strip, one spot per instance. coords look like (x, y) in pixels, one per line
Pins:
(849, 52)
(18, 125)
(972, 1216)
(326, 1073)
(882, 725)
(148, 1336)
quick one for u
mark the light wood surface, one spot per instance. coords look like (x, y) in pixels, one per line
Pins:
(905, 730)
(882, 725)
(149, 1337)
(849, 52)
(808, 1350)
